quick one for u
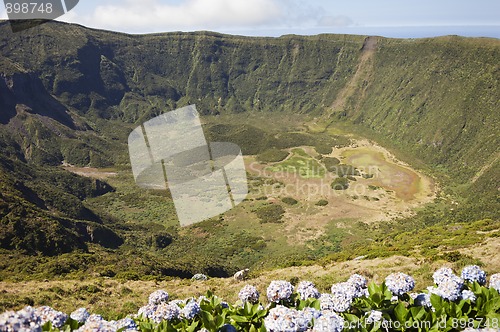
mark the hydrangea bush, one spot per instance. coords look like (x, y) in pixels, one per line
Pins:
(453, 303)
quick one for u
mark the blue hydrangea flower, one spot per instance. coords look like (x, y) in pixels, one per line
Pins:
(26, 320)
(95, 318)
(80, 315)
(360, 284)
(47, 314)
(98, 325)
(166, 311)
(283, 319)
(311, 312)
(249, 294)
(127, 324)
(495, 281)
(180, 302)
(147, 311)
(328, 322)
(399, 283)
(191, 309)
(473, 273)
(326, 301)
(444, 274)
(342, 295)
(422, 300)
(307, 289)
(374, 316)
(227, 328)
(305, 318)
(279, 290)
(449, 289)
(468, 295)
(158, 297)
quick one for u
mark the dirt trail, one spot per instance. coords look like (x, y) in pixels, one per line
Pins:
(363, 70)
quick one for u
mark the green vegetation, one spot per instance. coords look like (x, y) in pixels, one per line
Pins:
(78, 93)
(272, 213)
(323, 149)
(272, 156)
(322, 202)
(340, 184)
(300, 163)
(330, 164)
(289, 201)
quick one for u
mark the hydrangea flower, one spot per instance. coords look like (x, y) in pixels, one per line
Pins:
(326, 302)
(360, 285)
(158, 297)
(328, 322)
(307, 289)
(422, 300)
(279, 290)
(283, 319)
(495, 281)
(227, 328)
(448, 289)
(147, 311)
(98, 325)
(305, 317)
(311, 312)
(374, 316)
(127, 324)
(26, 320)
(47, 314)
(80, 315)
(444, 274)
(249, 294)
(180, 302)
(342, 295)
(473, 273)
(399, 283)
(191, 309)
(95, 318)
(166, 311)
(468, 295)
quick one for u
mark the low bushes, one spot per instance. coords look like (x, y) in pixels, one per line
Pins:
(453, 303)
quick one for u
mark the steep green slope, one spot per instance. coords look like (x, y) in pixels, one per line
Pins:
(438, 99)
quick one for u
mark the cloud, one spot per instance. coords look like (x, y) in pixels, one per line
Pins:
(335, 21)
(152, 15)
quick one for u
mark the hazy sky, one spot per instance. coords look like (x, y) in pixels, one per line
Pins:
(393, 18)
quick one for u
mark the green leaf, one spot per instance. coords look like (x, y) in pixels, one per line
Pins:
(401, 312)
(240, 319)
(437, 302)
(351, 318)
(492, 306)
(192, 327)
(417, 312)
(373, 288)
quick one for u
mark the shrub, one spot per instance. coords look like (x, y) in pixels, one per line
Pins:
(322, 202)
(340, 184)
(271, 214)
(451, 304)
(331, 164)
(272, 156)
(323, 149)
(289, 200)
